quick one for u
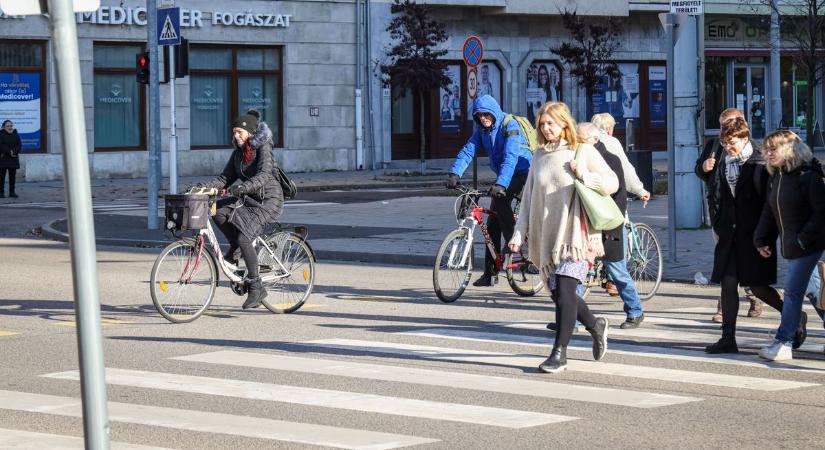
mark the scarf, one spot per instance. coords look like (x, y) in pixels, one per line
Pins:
(733, 165)
(248, 154)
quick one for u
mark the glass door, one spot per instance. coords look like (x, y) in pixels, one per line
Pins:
(749, 95)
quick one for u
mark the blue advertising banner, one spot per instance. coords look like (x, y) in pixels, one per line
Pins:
(657, 88)
(20, 103)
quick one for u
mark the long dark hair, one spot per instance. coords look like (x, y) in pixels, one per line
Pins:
(5, 122)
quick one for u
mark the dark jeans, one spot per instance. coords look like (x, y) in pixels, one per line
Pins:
(503, 222)
(236, 238)
(569, 307)
(12, 176)
(730, 294)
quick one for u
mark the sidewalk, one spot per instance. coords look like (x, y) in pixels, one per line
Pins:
(398, 231)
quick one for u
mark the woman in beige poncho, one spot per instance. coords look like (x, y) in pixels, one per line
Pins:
(561, 243)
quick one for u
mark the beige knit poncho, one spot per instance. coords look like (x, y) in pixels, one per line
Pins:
(550, 209)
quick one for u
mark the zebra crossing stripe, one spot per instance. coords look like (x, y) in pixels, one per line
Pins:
(597, 367)
(7, 333)
(700, 339)
(482, 415)
(209, 422)
(646, 351)
(18, 439)
(429, 377)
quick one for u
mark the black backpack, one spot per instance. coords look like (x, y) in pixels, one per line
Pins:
(287, 186)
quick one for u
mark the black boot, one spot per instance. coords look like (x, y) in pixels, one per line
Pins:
(256, 293)
(557, 360)
(599, 334)
(727, 344)
(486, 280)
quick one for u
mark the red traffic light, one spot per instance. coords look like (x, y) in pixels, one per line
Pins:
(142, 67)
(143, 61)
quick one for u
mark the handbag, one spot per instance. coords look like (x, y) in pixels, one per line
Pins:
(602, 212)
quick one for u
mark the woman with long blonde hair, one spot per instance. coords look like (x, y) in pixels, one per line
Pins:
(562, 244)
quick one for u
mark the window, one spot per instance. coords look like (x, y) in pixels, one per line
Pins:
(715, 90)
(119, 100)
(23, 90)
(226, 82)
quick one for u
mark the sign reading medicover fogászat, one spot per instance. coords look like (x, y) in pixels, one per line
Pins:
(20, 103)
(122, 15)
(690, 7)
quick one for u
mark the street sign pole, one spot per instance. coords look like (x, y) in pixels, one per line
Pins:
(81, 224)
(670, 23)
(473, 52)
(173, 137)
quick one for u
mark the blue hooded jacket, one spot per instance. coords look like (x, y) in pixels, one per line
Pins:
(508, 155)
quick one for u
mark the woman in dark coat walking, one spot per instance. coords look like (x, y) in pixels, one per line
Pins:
(257, 199)
(740, 180)
(10, 146)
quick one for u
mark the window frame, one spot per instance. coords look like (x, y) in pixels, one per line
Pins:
(142, 92)
(43, 71)
(234, 76)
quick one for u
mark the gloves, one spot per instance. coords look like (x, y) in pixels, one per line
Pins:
(452, 181)
(498, 191)
(237, 190)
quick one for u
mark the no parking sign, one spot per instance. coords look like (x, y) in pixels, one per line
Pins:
(473, 53)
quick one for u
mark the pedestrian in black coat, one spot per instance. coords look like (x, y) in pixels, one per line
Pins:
(257, 199)
(740, 179)
(10, 146)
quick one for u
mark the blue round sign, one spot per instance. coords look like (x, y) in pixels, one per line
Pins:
(473, 51)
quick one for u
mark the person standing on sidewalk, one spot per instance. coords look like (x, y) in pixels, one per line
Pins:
(257, 199)
(796, 213)
(743, 176)
(509, 154)
(10, 146)
(561, 241)
(614, 240)
(713, 191)
(606, 123)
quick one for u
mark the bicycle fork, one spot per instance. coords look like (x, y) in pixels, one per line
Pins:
(465, 253)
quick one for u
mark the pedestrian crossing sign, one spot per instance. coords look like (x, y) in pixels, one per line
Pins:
(169, 26)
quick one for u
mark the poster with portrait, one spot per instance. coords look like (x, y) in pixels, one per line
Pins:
(20, 103)
(489, 83)
(543, 85)
(618, 95)
(657, 81)
(450, 102)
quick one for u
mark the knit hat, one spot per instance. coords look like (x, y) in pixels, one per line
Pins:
(247, 121)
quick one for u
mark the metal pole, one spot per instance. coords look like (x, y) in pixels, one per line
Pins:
(775, 90)
(154, 173)
(671, 144)
(81, 224)
(173, 137)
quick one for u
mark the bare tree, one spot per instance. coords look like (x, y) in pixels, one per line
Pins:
(589, 53)
(413, 62)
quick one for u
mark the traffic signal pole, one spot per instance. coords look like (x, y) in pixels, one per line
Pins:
(173, 137)
(154, 170)
(81, 224)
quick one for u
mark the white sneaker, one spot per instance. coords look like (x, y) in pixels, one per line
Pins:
(778, 351)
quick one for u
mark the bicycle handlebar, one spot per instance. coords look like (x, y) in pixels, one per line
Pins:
(467, 190)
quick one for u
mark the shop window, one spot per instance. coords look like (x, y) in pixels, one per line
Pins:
(543, 85)
(794, 87)
(715, 91)
(23, 90)
(118, 98)
(227, 82)
(618, 95)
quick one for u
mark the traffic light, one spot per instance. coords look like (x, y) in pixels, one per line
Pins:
(142, 68)
(181, 55)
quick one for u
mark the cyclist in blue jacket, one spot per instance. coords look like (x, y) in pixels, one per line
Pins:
(510, 156)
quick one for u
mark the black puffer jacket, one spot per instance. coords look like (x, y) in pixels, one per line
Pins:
(795, 212)
(10, 146)
(613, 240)
(263, 199)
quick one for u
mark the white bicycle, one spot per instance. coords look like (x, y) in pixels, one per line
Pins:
(185, 275)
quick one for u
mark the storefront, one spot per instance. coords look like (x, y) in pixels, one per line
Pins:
(737, 75)
(522, 74)
(294, 61)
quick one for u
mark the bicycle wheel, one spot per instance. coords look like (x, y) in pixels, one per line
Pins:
(450, 274)
(287, 290)
(523, 276)
(183, 281)
(644, 260)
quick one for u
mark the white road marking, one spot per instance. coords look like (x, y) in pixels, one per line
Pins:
(209, 422)
(683, 354)
(429, 377)
(355, 401)
(598, 367)
(24, 440)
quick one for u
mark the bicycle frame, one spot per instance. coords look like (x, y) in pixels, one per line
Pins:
(473, 219)
(229, 269)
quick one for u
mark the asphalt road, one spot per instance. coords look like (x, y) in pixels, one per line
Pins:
(374, 360)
